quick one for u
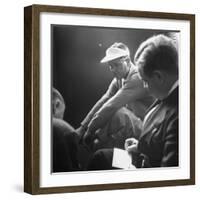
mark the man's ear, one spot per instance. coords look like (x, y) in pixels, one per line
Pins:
(57, 103)
(159, 76)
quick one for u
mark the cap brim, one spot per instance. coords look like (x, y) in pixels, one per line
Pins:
(114, 53)
(110, 58)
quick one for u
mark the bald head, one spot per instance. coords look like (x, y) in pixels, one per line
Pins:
(58, 104)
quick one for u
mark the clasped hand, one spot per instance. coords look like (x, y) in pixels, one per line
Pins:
(131, 145)
(86, 137)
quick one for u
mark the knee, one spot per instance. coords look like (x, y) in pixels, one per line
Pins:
(101, 160)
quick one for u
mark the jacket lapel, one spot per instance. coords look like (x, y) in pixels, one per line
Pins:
(157, 113)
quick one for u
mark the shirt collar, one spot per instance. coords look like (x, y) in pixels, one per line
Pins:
(132, 68)
(174, 86)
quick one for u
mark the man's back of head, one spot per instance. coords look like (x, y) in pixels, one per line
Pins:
(58, 104)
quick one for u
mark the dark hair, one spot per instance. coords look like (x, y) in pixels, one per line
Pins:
(157, 53)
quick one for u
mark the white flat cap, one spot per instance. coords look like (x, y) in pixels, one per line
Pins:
(114, 52)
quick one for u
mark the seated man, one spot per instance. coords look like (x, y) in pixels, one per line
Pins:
(64, 138)
(157, 146)
(119, 113)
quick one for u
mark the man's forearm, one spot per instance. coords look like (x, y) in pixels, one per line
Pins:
(92, 112)
(101, 118)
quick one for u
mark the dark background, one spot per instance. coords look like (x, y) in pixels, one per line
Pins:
(76, 69)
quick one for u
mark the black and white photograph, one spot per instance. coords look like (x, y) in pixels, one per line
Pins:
(112, 101)
(114, 98)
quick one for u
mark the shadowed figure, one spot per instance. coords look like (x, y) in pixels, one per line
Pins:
(65, 147)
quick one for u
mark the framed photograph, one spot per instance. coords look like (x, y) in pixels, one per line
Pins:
(109, 99)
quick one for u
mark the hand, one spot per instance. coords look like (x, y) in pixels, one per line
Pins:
(131, 145)
(80, 132)
(88, 138)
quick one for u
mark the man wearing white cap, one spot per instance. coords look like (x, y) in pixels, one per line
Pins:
(119, 113)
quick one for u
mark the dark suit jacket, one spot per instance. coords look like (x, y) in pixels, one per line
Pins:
(158, 143)
(65, 147)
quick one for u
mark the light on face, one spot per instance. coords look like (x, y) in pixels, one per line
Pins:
(141, 76)
(145, 84)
